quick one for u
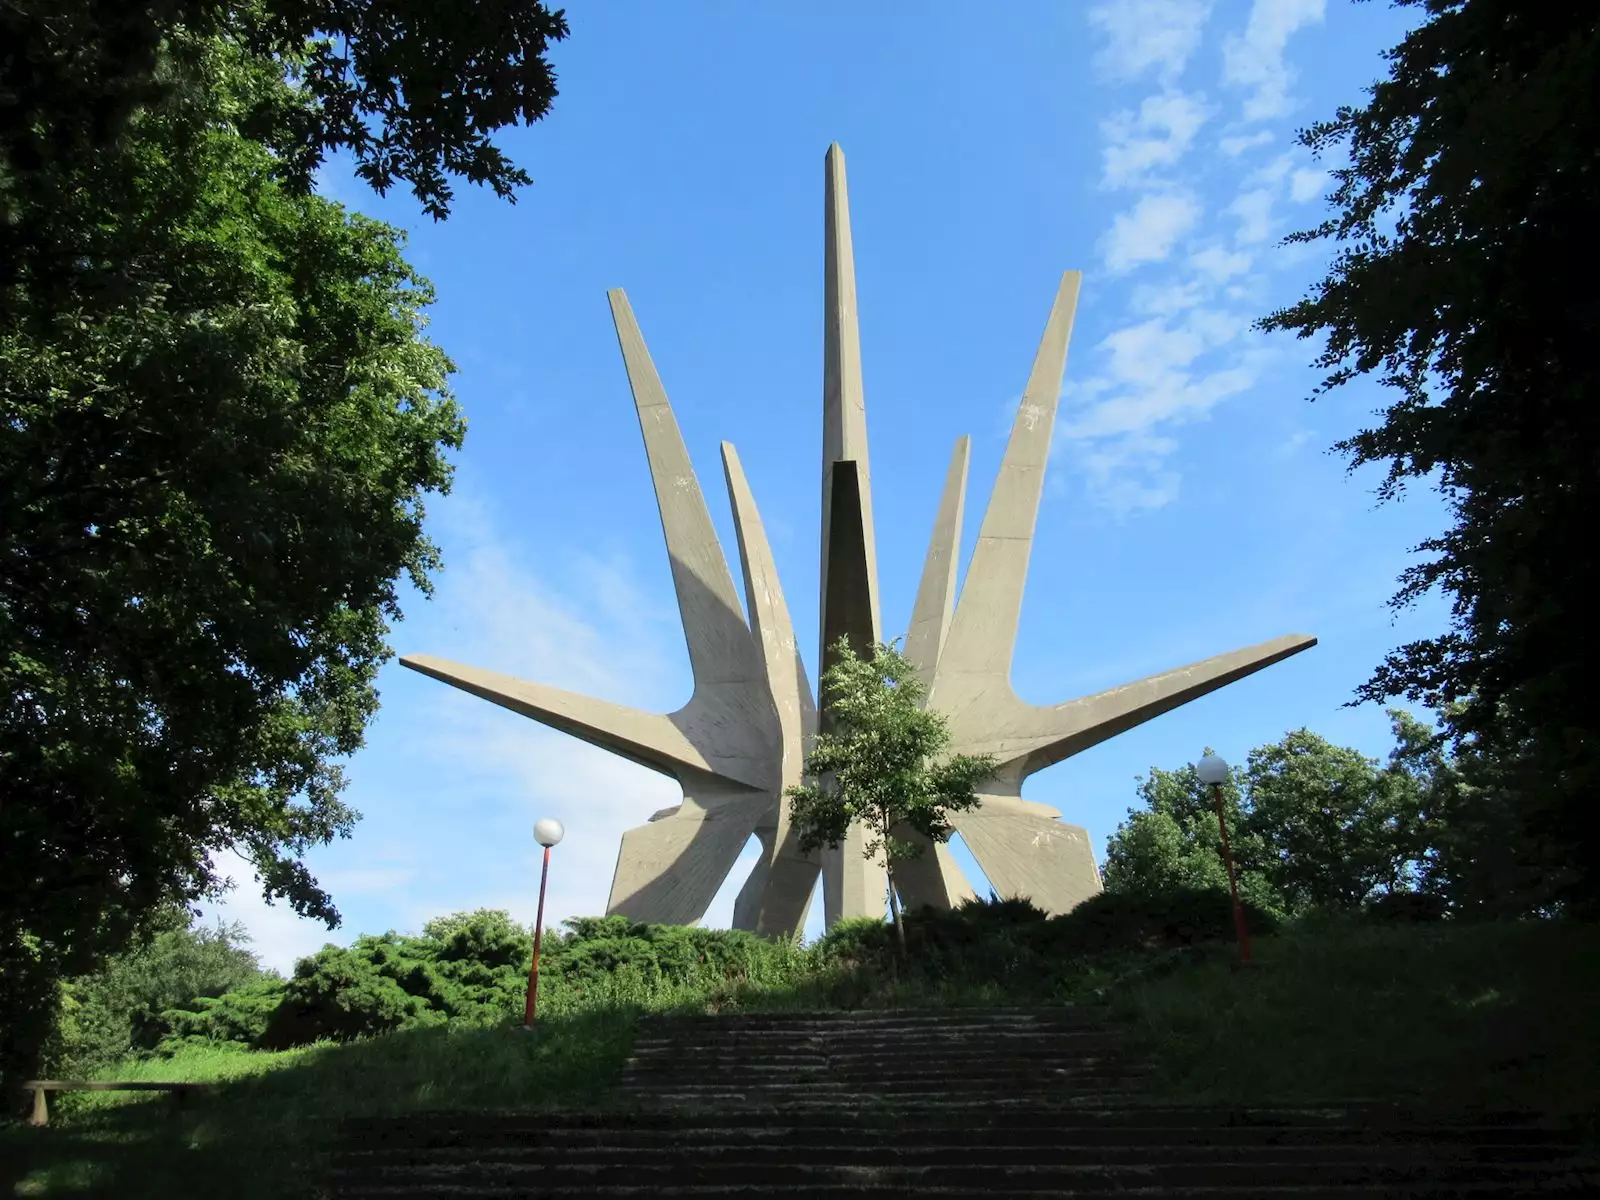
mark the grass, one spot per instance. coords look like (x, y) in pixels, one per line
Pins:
(1453, 1015)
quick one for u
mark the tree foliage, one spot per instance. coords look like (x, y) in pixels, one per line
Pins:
(469, 967)
(123, 1009)
(1473, 172)
(875, 763)
(1312, 826)
(411, 88)
(216, 444)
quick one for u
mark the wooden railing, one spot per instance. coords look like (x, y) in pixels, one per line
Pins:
(41, 1087)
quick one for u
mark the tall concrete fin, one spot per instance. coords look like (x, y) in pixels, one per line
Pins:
(1025, 852)
(853, 885)
(769, 612)
(649, 739)
(983, 633)
(1041, 737)
(720, 649)
(933, 878)
(844, 407)
(778, 893)
(668, 871)
(936, 593)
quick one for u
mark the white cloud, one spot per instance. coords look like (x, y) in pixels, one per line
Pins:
(1253, 208)
(1128, 475)
(1149, 231)
(1157, 135)
(1235, 144)
(1306, 184)
(1219, 264)
(1167, 299)
(1148, 36)
(1255, 59)
(1273, 173)
(1294, 441)
(1150, 375)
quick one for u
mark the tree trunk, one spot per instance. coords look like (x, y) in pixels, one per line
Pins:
(894, 908)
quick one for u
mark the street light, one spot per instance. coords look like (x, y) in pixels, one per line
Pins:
(547, 831)
(1213, 772)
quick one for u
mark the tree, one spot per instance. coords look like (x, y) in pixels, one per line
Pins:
(1473, 172)
(435, 79)
(874, 764)
(1481, 859)
(1173, 844)
(121, 1009)
(216, 452)
(1313, 826)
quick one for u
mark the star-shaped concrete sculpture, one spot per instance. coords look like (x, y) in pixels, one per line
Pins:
(741, 738)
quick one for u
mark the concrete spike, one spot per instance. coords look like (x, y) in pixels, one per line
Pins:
(853, 884)
(721, 650)
(668, 871)
(933, 878)
(769, 619)
(983, 633)
(778, 894)
(649, 739)
(844, 407)
(936, 593)
(1024, 851)
(1041, 737)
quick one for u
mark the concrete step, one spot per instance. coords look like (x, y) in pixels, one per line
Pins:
(777, 1156)
(709, 1032)
(1048, 1084)
(883, 1068)
(905, 1105)
(1014, 1046)
(1025, 1049)
(808, 1190)
(690, 1170)
(1133, 1116)
(896, 1017)
(820, 1135)
(888, 1069)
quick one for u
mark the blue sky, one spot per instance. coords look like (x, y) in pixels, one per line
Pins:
(1192, 507)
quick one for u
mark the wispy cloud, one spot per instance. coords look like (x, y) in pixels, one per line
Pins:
(1184, 345)
(1148, 232)
(1148, 36)
(1255, 59)
(1155, 135)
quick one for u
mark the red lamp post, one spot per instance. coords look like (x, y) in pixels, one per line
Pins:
(1213, 772)
(547, 831)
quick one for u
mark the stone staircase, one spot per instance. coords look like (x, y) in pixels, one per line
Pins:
(925, 1058)
(998, 1104)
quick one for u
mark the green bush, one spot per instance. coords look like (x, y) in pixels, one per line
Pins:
(240, 1016)
(123, 1009)
(1392, 908)
(470, 967)
(1118, 921)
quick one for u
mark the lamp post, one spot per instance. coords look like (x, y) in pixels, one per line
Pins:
(1213, 772)
(547, 831)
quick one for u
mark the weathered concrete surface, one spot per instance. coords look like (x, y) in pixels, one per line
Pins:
(741, 738)
(777, 896)
(854, 885)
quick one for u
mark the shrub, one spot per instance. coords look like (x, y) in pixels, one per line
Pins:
(1405, 908)
(1116, 921)
(240, 1016)
(122, 1009)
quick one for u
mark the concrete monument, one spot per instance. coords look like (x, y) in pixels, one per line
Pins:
(741, 738)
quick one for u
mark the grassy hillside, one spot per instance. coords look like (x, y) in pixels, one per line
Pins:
(1443, 1013)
